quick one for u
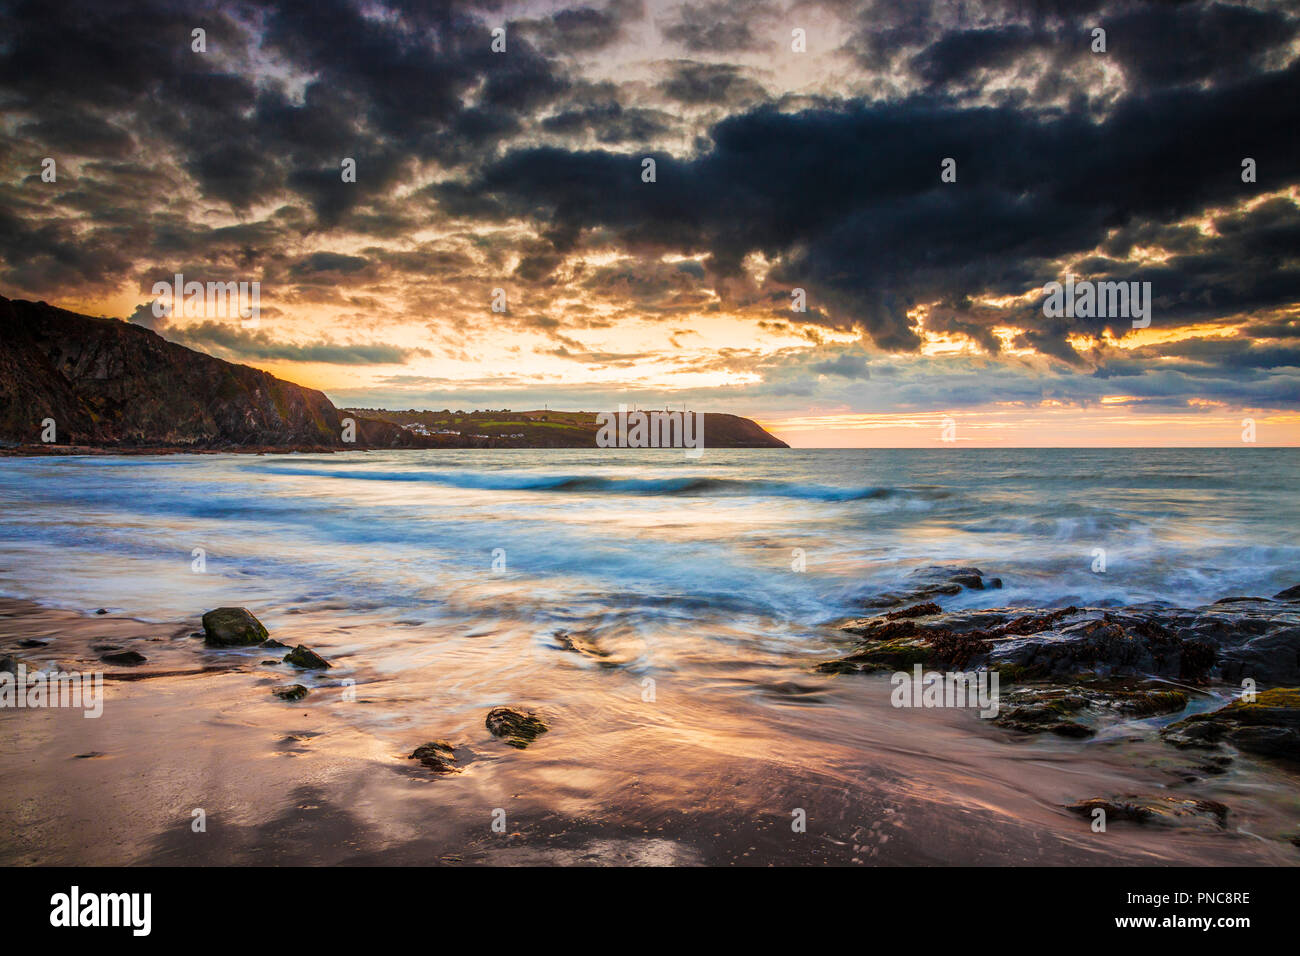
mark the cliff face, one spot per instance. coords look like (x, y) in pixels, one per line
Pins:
(106, 382)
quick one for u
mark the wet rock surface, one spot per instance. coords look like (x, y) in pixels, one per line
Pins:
(304, 657)
(933, 581)
(125, 658)
(1162, 810)
(232, 627)
(291, 693)
(438, 755)
(1080, 710)
(1269, 725)
(516, 727)
(1255, 638)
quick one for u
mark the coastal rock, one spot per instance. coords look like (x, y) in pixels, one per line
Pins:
(518, 729)
(918, 610)
(1077, 710)
(438, 755)
(9, 664)
(1255, 638)
(933, 581)
(232, 627)
(291, 693)
(304, 657)
(1290, 594)
(1268, 725)
(1164, 810)
(584, 646)
(127, 658)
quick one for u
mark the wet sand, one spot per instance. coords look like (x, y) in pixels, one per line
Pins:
(709, 772)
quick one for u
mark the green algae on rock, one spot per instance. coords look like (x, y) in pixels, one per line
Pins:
(518, 729)
(1268, 725)
(1074, 710)
(438, 755)
(1164, 810)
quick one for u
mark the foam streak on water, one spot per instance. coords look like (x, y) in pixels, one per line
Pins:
(597, 530)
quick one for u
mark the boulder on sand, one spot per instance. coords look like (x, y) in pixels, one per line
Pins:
(232, 627)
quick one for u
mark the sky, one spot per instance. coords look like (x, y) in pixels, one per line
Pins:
(805, 255)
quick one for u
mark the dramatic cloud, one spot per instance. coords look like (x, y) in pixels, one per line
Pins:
(411, 188)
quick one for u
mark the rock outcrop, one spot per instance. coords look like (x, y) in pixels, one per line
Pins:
(1268, 725)
(114, 384)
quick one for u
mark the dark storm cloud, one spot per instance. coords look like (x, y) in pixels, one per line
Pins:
(711, 83)
(240, 344)
(582, 29)
(715, 27)
(1176, 44)
(610, 122)
(955, 56)
(851, 198)
(537, 154)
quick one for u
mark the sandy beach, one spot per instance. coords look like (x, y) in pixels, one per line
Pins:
(615, 780)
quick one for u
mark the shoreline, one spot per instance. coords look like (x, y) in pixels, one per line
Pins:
(300, 782)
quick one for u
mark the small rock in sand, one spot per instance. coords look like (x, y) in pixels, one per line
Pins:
(304, 657)
(438, 755)
(291, 692)
(128, 658)
(232, 627)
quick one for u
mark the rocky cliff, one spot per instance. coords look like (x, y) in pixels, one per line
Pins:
(110, 383)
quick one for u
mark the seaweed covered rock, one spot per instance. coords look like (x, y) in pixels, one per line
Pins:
(1268, 725)
(1252, 638)
(1078, 710)
(291, 692)
(933, 581)
(232, 627)
(517, 728)
(1164, 810)
(438, 755)
(304, 657)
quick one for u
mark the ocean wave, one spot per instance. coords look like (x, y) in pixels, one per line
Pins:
(685, 486)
